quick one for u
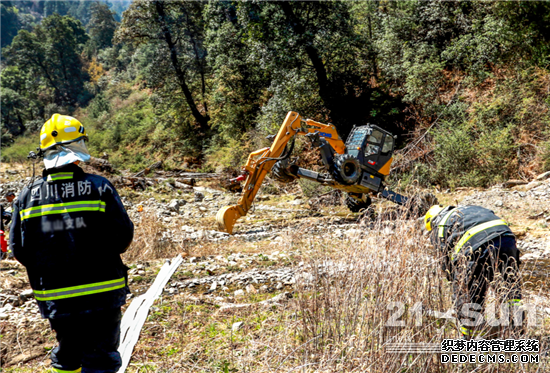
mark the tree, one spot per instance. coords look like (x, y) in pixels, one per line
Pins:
(238, 79)
(102, 25)
(320, 42)
(175, 31)
(9, 21)
(51, 53)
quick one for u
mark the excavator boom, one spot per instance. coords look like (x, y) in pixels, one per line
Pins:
(261, 161)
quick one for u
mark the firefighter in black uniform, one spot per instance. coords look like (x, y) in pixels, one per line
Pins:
(475, 244)
(69, 229)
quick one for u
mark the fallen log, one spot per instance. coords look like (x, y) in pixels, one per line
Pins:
(513, 183)
(200, 175)
(148, 169)
(101, 165)
(143, 182)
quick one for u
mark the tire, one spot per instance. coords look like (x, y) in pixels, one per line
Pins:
(347, 169)
(280, 172)
(355, 205)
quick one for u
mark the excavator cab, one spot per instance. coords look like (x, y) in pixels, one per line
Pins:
(373, 147)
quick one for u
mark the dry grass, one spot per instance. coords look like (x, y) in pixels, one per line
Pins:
(337, 320)
(150, 240)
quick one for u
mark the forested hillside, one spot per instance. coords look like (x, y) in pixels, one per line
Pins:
(464, 85)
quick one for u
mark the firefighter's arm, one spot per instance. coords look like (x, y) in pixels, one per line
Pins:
(118, 225)
(16, 242)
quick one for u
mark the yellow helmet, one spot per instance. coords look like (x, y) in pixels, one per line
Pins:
(430, 215)
(61, 129)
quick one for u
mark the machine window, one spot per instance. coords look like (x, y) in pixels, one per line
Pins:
(375, 137)
(371, 149)
(388, 144)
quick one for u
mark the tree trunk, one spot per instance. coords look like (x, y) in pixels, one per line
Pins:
(202, 119)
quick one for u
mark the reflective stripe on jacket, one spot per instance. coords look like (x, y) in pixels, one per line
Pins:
(463, 229)
(69, 229)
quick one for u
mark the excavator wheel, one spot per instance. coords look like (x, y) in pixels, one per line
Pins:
(347, 169)
(355, 205)
(280, 172)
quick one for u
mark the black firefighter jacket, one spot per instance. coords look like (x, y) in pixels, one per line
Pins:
(462, 230)
(69, 229)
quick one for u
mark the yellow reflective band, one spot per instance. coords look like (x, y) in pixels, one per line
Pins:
(61, 208)
(56, 370)
(514, 302)
(441, 225)
(475, 230)
(60, 176)
(77, 291)
(471, 332)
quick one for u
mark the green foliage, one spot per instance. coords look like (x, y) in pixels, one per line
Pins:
(209, 80)
(545, 155)
(473, 152)
(173, 36)
(102, 25)
(44, 67)
(233, 153)
(9, 21)
(20, 149)
(130, 132)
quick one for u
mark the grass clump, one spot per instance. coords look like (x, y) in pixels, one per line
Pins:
(19, 150)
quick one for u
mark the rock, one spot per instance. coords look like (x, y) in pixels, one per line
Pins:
(543, 176)
(4, 316)
(297, 202)
(499, 203)
(251, 289)
(27, 293)
(213, 286)
(199, 196)
(236, 326)
(174, 205)
(512, 183)
(238, 293)
(203, 209)
(263, 289)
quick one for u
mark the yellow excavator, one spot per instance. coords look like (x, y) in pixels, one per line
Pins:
(359, 166)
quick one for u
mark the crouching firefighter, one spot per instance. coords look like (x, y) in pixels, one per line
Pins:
(477, 247)
(69, 229)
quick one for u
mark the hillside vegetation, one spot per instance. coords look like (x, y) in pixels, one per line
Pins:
(302, 284)
(464, 85)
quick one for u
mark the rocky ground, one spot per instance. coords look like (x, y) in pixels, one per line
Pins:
(258, 264)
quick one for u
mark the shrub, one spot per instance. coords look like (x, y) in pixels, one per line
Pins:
(19, 150)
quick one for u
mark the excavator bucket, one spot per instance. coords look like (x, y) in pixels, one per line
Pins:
(227, 216)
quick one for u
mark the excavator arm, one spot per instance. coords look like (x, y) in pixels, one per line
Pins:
(261, 161)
